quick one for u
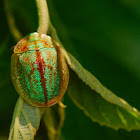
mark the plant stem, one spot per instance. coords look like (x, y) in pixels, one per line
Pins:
(54, 120)
(11, 21)
(43, 15)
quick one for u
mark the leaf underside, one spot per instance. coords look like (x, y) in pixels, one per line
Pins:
(97, 102)
(25, 122)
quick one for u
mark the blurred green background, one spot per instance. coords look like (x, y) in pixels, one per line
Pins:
(103, 35)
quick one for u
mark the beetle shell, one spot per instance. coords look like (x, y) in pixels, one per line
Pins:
(39, 71)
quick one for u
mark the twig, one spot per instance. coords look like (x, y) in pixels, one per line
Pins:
(43, 15)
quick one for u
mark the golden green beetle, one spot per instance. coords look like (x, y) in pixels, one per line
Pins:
(39, 71)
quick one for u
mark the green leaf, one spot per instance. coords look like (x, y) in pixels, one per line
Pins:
(54, 119)
(97, 102)
(25, 122)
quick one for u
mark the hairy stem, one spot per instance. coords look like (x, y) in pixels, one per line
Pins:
(11, 21)
(43, 15)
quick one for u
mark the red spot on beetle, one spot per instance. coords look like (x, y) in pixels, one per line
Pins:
(35, 42)
(26, 59)
(22, 47)
(54, 73)
(25, 48)
(50, 67)
(45, 43)
(33, 69)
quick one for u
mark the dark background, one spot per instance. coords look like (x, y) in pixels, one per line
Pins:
(104, 35)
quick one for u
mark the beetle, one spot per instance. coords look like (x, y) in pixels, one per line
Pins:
(39, 71)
